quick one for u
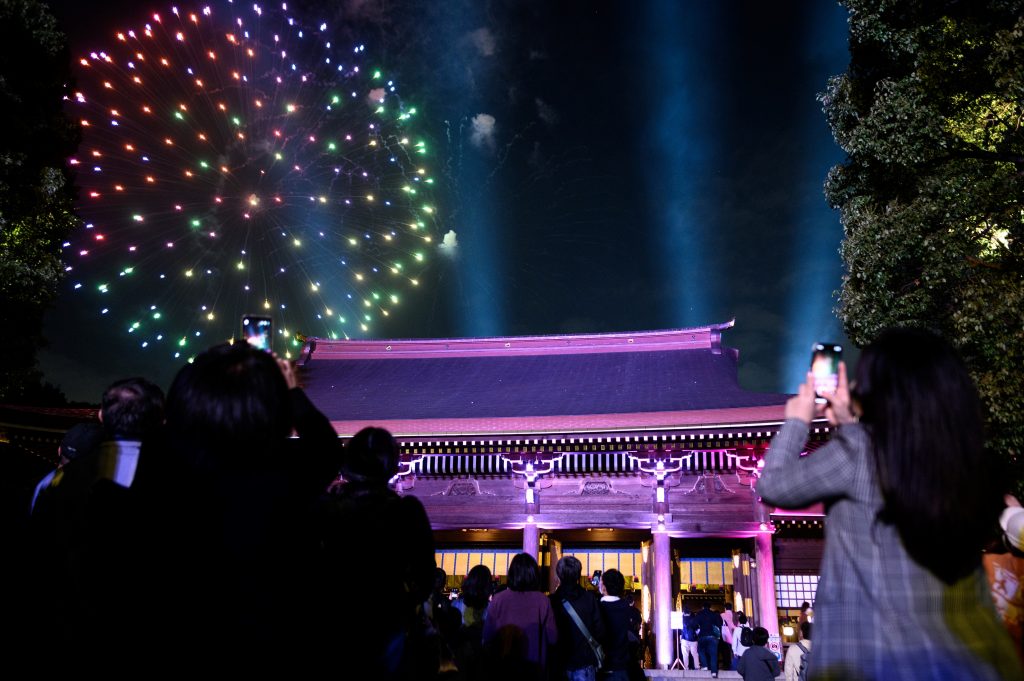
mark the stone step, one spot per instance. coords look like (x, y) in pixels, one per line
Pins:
(665, 674)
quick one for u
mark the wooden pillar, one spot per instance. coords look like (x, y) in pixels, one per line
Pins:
(531, 538)
(769, 613)
(663, 597)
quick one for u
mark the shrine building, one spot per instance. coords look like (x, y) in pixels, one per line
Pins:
(634, 451)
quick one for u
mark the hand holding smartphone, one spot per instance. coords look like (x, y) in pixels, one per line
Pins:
(256, 330)
(825, 358)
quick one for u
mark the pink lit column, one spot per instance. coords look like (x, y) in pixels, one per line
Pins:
(531, 538)
(766, 583)
(663, 597)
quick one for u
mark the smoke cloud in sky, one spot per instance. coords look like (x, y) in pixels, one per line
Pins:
(482, 133)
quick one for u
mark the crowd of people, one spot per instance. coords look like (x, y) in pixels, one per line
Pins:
(193, 532)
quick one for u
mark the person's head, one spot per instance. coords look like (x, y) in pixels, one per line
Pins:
(476, 587)
(79, 440)
(440, 580)
(371, 456)
(230, 397)
(728, 607)
(614, 582)
(760, 636)
(923, 414)
(805, 631)
(523, 574)
(805, 606)
(741, 618)
(131, 409)
(569, 569)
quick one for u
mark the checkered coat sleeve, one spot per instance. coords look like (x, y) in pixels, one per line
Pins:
(878, 614)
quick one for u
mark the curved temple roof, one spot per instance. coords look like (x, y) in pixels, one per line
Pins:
(571, 384)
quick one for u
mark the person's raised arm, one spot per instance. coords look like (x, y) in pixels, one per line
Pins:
(313, 428)
(790, 480)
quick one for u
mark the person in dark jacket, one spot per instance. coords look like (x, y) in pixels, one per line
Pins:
(709, 630)
(758, 663)
(574, 658)
(622, 630)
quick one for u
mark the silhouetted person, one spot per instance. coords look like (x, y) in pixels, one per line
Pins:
(85, 528)
(363, 522)
(574, 657)
(229, 494)
(472, 603)
(520, 626)
(758, 663)
(80, 439)
(622, 630)
(709, 631)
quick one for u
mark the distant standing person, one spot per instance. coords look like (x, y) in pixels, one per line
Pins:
(758, 663)
(741, 638)
(709, 630)
(689, 636)
(797, 651)
(725, 653)
(910, 497)
(622, 630)
(575, 659)
(520, 625)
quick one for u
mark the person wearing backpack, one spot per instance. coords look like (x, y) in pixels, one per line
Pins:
(741, 639)
(758, 663)
(798, 654)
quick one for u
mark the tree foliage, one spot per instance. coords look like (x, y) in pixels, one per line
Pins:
(35, 193)
(931, 194)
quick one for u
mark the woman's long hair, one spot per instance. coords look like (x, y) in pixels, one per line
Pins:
(476, 587)
(523, 573)
(923, 414)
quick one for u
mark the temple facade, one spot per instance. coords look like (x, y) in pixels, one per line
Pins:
(637, 451)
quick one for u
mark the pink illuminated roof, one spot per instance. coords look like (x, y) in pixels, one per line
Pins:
(679, 380)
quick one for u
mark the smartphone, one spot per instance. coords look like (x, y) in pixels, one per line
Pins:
(256, 331)
(596, 579)
(825, 368)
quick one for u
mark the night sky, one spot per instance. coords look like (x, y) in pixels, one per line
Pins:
(510, 168)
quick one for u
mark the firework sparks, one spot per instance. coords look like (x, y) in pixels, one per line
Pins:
(235, 161)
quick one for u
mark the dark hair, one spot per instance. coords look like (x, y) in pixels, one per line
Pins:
(131, 409)
(569, 569)
(232, 396)
(523, 573)
(80, 439)
(440, 579)
(923, 415)
(741, 618)
(804, 606)
(371, 456)
(760, 636)
(805, 630)
(614, 582)
(476, 587)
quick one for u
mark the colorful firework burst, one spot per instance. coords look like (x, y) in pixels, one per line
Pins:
(235, 161)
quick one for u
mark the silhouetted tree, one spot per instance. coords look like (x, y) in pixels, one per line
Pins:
(35, 192)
